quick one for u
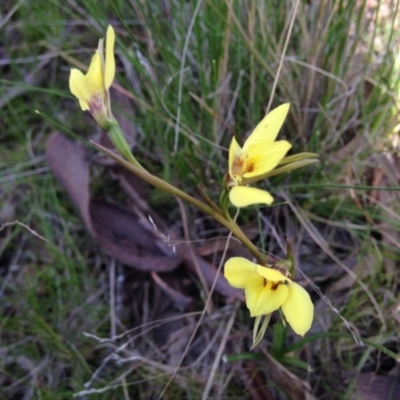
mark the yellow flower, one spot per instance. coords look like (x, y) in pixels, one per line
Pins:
(92, 89)
(259, 155)
(267, 289)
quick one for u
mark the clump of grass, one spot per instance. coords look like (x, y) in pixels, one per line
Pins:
(197, 73)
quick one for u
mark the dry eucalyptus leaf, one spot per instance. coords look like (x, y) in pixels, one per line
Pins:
(293, 387)
(376, 387)
(190, 258)
(119, 233)
(124, 238)
(69, 164)
(180, 300)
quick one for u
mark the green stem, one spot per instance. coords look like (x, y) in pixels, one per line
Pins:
(118, 140)
(165, 186)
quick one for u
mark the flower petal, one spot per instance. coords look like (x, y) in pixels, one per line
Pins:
(238, 270)
(298, 309)
(109, 70)
(271, 274)
(267, 130)
(264, 157)
(234, 153)
(94, 76)
(243, 196)
(100, 52)
(262, 300)
(78, 85)
(84, 105)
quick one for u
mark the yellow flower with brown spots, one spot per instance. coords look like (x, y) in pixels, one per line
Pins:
(259, 155)
(267, 289)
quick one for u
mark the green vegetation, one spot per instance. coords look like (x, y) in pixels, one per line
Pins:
(189, 76)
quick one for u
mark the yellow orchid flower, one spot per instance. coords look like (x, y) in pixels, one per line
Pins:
(267, 290)
(259, 155)
(92, 89)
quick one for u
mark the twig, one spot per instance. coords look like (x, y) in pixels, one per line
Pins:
(12, 223)
(285, 46)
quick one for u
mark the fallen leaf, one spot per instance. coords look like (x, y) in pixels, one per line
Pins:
(190, 258)
(180, 300)
(362, 268)
(293, 387)
(254, 382)
(118, 232)
(124, 238)
(376, 387)
(69, 163)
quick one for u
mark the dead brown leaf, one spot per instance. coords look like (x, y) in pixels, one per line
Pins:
(293, 387)
(69, 164)
(190, 258)
(376, 387)
(367, 266)
(122, 236)
(179, 299)
(118, 232)
(254, 382)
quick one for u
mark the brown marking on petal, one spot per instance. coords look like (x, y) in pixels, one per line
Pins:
(242, 165)
(96, 104)
(282, 270)
(237, 166)
(249, 167)
(275, 285)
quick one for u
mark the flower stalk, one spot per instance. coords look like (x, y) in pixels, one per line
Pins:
(117, 138)
(167, 187)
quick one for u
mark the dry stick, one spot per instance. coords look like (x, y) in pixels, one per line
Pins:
(113, 324)
(161, 184)
(148, 325)
(285, 46)
(125, 388)
(12, 223)
(317, 69)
